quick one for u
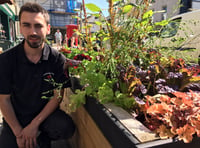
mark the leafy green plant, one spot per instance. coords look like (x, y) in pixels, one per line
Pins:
(126, 70)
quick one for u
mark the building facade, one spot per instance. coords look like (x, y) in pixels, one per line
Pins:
(196, 4)
(165, 9)
(61, 13)
(9, 26)
(168, 8)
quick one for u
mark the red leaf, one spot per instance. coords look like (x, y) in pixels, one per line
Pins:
(186, 133)
(158, 108)
(179, 94)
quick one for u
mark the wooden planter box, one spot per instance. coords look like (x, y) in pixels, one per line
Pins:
(88, 134)
(106, 126)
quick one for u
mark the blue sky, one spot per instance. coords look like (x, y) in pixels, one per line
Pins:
(103, 4)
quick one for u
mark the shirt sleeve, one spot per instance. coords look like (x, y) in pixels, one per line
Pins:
(5, 74)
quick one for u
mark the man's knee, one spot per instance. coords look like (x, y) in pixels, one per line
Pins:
(65, 128)
(7, 138)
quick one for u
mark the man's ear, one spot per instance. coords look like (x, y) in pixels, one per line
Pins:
(48, 29)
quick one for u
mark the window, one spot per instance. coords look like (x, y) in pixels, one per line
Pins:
(12, 30)
(2, 29)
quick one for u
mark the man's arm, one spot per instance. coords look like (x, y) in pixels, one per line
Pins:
(9, 114)
(29, 133)
(61, 36)
(49, 108)
(10, 117)
(55, 35)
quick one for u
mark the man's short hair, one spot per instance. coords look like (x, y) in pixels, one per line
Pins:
(34, 8)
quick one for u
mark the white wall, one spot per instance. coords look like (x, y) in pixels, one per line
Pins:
(196, 4)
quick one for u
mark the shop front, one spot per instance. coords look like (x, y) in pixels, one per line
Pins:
(7, 25)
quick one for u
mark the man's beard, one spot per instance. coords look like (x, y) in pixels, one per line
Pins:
(36, 44)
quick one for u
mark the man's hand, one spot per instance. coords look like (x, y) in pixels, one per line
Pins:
(28, 136)
(71, 63)
(20, 141)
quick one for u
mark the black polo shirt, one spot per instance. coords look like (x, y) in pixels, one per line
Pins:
(28, 83)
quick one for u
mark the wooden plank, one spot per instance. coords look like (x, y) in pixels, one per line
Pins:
(64, 105)
(88, 135)
(83, 138)
(88, 126)
(134, 126)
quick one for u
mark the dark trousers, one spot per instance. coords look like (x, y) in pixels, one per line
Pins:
(57, 126)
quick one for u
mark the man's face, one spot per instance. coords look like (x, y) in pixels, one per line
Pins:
(34, 29)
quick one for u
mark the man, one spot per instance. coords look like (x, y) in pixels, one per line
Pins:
(30, 72)
(58, 38)
(73, 40)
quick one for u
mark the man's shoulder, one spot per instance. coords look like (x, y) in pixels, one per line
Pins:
(58, 56)
(10, 53)
(8, 58)
(52, 49)
(55, 53)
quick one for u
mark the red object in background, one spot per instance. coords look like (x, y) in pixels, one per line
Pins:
(70, 30)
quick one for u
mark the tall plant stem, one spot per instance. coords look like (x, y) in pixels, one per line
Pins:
(112, 19)
(85, 24)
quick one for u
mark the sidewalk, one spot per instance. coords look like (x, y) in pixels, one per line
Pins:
(55, 46)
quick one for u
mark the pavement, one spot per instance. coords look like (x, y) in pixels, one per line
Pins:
(56, 47)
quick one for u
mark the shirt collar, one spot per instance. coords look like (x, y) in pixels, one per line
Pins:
(45, 52)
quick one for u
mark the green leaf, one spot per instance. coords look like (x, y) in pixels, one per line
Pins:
(98, 23)
(105, 93)
(77, 99)
(92, 7)
(106, 38)
(162, 23)
(93, 38)
(96, 14)
(148, 14)
(116, 0)
(89, 25)
(127, 8)
(124, 101)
